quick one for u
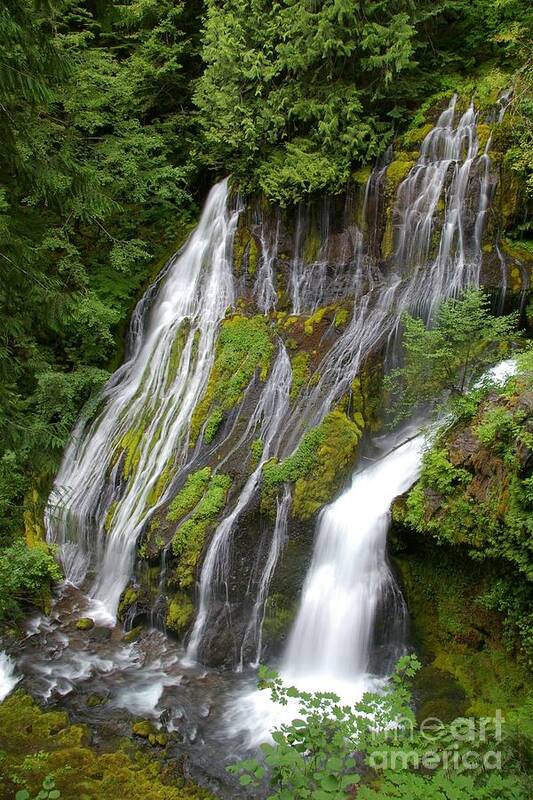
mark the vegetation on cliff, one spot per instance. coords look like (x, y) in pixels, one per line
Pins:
(475, 494)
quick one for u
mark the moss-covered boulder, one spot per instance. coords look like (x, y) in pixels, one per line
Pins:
(317, 466)
(85, 624)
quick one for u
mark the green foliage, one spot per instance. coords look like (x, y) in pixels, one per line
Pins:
(244, 346)
(295, 93)
(95, 169)
(48, 791)
(25, 576)
(475, 491)
(44, 752)
(448, 356)
(314, 755)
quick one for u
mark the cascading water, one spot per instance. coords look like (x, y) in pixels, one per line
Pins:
(254, 629)
(269, 415)
(8, 677)
(349, 575)
(104, 496)
(112, 464)
(419, 276)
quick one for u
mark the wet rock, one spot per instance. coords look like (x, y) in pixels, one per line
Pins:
(85, 624)
(95, 700)
(132, 635)
(146, 730)
(100, 635)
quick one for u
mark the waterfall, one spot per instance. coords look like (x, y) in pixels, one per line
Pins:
(269, 413)
(421, 274)
(264, 287)
(349, 575)
(105, 493)
(112, 463)
(8, 678)
(254, 630)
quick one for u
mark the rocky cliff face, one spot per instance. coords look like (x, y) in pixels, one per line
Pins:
(462, 541)
(322, 286)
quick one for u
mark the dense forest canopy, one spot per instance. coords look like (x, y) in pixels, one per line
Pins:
(116, 116)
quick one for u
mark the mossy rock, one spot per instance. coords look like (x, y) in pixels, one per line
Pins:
(128, 599)
(85, 624)
(133, 635)
(180, 613)
(244, 347)
(63, 751)
(205, 498)
(95, 700)
(316, 467)
(438, 694)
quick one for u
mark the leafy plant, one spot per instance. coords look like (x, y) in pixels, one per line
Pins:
(47, 792)
(450, 354)
(375, 749)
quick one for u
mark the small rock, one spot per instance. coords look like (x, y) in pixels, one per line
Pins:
(133, 635)
(85, 624)
(95, 700)
(99, 634)
(144, 728)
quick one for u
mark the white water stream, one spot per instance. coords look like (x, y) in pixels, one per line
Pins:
(8, 676)
(148, 405)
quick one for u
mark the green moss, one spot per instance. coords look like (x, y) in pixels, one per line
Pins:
(133, 635)
(95, 700)
(316, 319)
(129, 598)
(241, 249)
(316, 467)
(190, 495)
(85, 624)
(189, 539)
(244, 346)
(341, 318)
(483, 133)
(109, 515)
(254, 254)
(161, 484)
(143, 728)
(311, 246)
(180, 612)
(212, 425)
(415, 136)
(35, 744)
(300, 373)
(130, 444)
(257, 448)
(147, 730)
(361, 175)
(455, 632)
(396, 172)
(278, 616)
